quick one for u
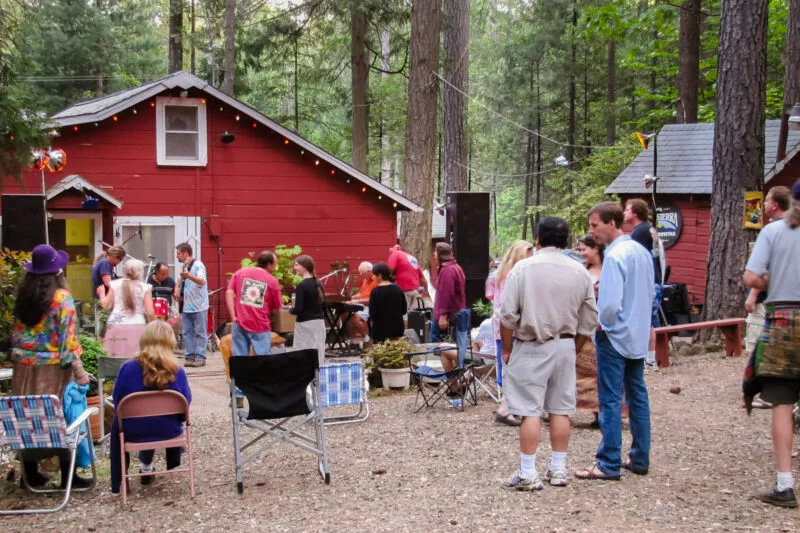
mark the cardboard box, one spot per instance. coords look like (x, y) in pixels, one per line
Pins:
(282, 321)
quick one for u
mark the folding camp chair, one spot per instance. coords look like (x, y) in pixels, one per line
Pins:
(107, 368)
(344, 384)
(434, 383)
(154, 403)
(279, 386)
(485, 373)
(37, 422)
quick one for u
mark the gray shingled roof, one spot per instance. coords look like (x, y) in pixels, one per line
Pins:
(107, 106)
(685, 153)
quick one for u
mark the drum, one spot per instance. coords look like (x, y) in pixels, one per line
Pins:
(161, 308)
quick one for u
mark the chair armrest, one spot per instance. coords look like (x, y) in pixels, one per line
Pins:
(76, 424)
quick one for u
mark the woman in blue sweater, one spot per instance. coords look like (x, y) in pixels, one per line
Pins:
(155, 368)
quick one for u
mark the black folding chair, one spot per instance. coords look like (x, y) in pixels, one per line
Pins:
(283, 394)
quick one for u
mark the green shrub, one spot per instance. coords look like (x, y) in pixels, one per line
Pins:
(284, 271)
(389, 354)
(11, 271)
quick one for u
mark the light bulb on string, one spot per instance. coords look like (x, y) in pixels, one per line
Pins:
(203, 101)
(74, 128)
(255, 125)
(115, 118)
(347, 180)
(363, 189)
(237, 118)
(333, 172)
(302, 152)
(135, 112)
(380, 197)
(394, 204)
(96, 124)
(152, 104)
(286, 141)
(316, 162)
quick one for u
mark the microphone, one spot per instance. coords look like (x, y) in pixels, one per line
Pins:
(141, 235)
(151, 256)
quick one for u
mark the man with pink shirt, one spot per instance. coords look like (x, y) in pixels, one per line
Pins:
(407, 273)
(253, 293)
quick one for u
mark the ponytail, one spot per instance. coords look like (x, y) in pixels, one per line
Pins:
(792, 217)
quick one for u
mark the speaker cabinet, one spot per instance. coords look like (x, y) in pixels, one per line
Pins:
(24, 221)
(468, 232)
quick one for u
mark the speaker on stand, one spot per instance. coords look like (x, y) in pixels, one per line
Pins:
(468, 215)
(24, 221)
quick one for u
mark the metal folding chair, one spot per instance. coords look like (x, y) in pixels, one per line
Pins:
(283, 395)
(344, 384)
(485, 372)
(37, 422)
(435, 384)
(107, 368)
(147, 404)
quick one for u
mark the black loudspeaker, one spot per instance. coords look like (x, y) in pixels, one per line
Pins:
(475, 290)
(468, 232)
(23, 221)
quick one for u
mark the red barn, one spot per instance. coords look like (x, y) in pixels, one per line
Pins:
(177, 160)
(683, 194)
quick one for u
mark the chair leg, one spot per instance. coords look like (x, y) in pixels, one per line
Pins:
(236, 452)
(191, 460)
(123, 469)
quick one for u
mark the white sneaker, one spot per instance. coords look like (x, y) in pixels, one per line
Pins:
(516, 482)
(556, 478)
(650, 367)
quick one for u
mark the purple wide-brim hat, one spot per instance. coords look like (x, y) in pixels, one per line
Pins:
(47, 260)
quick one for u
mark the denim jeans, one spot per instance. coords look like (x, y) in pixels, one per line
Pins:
(461, 329)
(195, 336)
(243, 340)
(615, 373)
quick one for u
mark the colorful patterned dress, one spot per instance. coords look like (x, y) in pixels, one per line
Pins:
(46, 355)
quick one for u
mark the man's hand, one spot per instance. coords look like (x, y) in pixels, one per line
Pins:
(442, 322)
(185, 274)
(750, 303)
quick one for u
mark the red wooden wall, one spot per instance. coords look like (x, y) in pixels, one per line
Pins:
(261, 191)
(688, 257)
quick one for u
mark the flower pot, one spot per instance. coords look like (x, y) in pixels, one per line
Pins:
(395, 378)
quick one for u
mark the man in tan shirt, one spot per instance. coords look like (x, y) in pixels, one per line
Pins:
(547, 313)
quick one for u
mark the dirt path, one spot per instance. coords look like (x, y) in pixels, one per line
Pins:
(444, 468)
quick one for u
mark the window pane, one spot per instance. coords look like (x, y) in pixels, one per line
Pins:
(180, 118)
(156, 240)
(182, 145)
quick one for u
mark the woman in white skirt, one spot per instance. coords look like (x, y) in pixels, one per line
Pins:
(131, 308)
(309, 329)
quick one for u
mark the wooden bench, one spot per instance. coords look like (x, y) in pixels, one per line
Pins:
(731, 328)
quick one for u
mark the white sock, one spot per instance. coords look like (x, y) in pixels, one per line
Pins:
(785, 481)
(558, 461)
(527, 465)
(651, 357)
(145, 467)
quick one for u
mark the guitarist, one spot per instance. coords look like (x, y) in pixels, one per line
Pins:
(192, 295)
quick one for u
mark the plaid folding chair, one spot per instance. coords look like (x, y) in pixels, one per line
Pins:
(344, 384)
(283, 394)
(37, 422)
(107, 368)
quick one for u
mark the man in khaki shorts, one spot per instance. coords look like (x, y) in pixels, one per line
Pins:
(547, 313)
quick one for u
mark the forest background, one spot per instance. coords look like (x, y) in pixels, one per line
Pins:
(554, 89)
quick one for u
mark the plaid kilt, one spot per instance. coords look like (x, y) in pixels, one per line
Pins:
(777, 353)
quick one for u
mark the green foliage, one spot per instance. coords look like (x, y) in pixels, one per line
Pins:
(11, 271)
(389, 353)
(284, 271)
(92, 349)
(482, 308)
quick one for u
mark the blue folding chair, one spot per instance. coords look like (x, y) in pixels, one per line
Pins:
(344, 384)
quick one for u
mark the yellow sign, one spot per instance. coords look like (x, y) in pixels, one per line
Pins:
(753, 210)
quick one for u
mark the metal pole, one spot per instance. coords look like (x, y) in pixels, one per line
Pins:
(44, 200)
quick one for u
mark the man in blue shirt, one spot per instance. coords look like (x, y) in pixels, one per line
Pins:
(624, 308)
(193, 295)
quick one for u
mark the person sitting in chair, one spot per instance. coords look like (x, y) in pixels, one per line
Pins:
(387, 305)
(155, 368)
(357, 327)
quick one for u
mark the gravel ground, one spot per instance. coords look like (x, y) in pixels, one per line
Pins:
(443, 470)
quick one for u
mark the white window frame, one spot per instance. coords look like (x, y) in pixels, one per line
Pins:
(187, 229)
(202, 133)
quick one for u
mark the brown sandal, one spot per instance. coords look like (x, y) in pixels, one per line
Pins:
(594, 473)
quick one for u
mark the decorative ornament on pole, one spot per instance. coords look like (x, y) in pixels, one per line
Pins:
(57, 160)
(40, 159)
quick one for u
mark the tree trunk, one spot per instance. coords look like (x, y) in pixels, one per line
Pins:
(456, 70)
(570, 150)
(538, 145)
(738, 163)
(689, 61)
(611, 119)
(420, 160)
(529, 162)
(229, 60)
(791, 75)
(193, 56)
(175, 35)
(360, 85)
(386, 162)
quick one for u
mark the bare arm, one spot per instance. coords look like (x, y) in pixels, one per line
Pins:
(108, 300)
(149, 311)
(507, 339)
(754, 281)
(229, 302)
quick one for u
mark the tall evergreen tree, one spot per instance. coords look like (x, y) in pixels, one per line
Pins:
(456, 74)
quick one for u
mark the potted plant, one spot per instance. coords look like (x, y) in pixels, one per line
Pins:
(389, 358)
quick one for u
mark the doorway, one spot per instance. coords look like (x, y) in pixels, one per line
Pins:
(79, 234)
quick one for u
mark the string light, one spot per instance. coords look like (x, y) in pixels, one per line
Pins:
(96, 124)
(302, 152)
(316, 162)
(114, 118)
(333, 172)
(286, 141)
(380, 197)
(237, 118)
(203, 101)
(347, 180)
(134, 111)
(363, 189)
(220, 108)
(152, 104)
(394, 204)
(74, 128)
(11, 137)
(255, 125)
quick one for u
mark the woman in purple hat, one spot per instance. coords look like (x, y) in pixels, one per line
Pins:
(44, 344)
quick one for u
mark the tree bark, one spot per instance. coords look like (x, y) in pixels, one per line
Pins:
(175, 35)
(456, 71)
(611, 120)
(229, 60)
(360, 85)
(688, 61)
(386, 162)
(193, 56)
(570, 150)
(791, 74)
(420, 152)
(738, 163)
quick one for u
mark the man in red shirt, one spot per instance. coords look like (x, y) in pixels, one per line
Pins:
(407, 273)
(253, 293)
